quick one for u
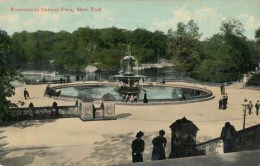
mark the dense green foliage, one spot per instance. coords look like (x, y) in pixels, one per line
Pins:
(76, 50)
(222, 58)
(257, 35)
(183, 46)
(254, 80)
(7, 74)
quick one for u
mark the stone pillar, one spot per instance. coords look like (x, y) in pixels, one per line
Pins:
(85, 108)
(183, 139)
(109, 106)
(109, 111)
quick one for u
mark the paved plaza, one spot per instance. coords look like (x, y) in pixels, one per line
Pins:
(70, 141)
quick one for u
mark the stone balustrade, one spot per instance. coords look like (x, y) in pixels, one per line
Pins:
(247, 139)
(27, 113)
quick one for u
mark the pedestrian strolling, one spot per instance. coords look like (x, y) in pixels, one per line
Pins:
(183, 97)
(226, 96)
(145, 100)
(228, 135)
(138, 148)
(44, 80)
(26, 94)
(224, 103)
(47, 90)
(159, 144)
(250, 106)
(222, 89)
(220, 103)
(55, 108)
(257, 105)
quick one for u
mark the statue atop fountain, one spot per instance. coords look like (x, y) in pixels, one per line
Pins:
(127, 62)
(129, 82)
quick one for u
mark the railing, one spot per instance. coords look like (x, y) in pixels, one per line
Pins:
(43, 112)
(247, 139)
(190, 80)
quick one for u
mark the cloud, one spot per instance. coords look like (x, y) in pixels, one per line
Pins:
(250, 24)
(55, 21)
(182, 15)
(80, 24)
(33, 21)
(103, 18)
(9, 18)
(10, 23)
(179, 15)
(209, 10)
(208, 20)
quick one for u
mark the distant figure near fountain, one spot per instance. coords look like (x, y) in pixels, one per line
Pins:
(129, 87)
(129, 82)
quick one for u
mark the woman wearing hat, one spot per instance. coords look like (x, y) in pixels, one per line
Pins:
(138, 148)
(159, 144)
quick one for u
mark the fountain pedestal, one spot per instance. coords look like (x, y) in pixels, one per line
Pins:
(129, 82)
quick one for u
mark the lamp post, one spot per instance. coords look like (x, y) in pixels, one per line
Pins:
(244, 108)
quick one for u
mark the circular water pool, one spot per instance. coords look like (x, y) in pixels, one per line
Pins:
(155, 93)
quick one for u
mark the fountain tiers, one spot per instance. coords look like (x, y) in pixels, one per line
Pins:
(128, 78)
(129, 81)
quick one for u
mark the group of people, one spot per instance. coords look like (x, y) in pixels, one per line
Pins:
(138, 146)
(133, 98)
(222, 104)
(51, 92)
(250, 106)
(128, 97)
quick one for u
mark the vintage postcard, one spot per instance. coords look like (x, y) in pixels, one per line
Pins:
(145, 82)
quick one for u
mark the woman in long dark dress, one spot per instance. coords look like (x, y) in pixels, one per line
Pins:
(159, 144)
(138, 148)
(145, 100)
(228, 135)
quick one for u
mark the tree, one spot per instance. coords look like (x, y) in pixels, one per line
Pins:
(7, 75)
(63, 50)
(214, 66)
(227, 55)
(257, 35)
(76, 50)
(232, 26)
(242, 57)
(159, 44)
(183, 46)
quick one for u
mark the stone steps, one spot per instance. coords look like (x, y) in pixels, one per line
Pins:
(243, 158)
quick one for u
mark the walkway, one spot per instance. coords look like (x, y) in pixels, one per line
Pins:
(74, 142)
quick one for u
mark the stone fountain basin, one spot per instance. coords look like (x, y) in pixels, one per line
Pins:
(156, 93)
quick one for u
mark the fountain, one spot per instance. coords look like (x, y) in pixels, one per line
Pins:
(128, 84)
(129, 81)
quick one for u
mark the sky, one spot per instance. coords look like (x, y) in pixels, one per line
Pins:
(162, 15)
